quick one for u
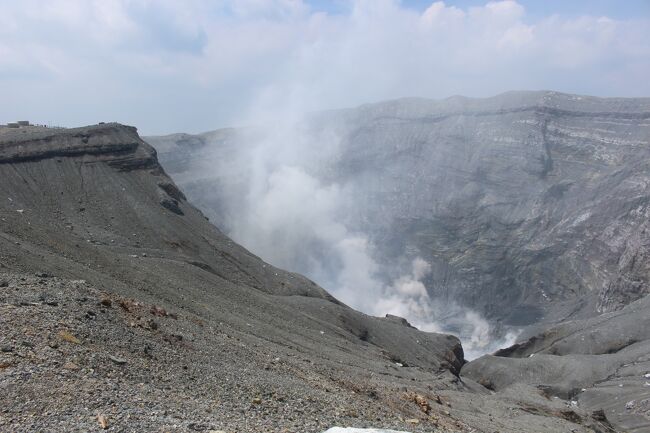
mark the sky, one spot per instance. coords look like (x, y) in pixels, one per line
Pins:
(196, 65)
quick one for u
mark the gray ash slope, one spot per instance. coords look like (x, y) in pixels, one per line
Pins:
(144, 316)
(530, 206)
(82, 203)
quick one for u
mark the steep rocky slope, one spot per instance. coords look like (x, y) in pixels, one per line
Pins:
(94, 204)
(123, 309)
(530, 206)
(601, 363)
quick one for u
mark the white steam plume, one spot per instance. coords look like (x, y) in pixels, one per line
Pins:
(295, 220)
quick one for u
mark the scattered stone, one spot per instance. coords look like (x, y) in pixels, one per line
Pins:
(4, 283)
(172, 190)
(7, 349)
(257, 400)
(413, 421)
(599, 415)
(69, 365)
(129, 305)
(119, 361)
(67, 336)
(158, 311)
(420, 400)
(102, 421)
(171, 205)
(106, 302)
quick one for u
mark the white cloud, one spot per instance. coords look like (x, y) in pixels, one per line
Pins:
(439, 14)
(219, 57)
(275, 9)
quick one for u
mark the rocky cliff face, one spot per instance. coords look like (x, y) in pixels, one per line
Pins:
(530, 206)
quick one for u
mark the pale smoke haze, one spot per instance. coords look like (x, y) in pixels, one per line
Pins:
(295, 220)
